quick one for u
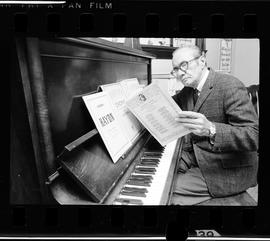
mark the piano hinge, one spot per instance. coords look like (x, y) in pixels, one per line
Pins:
(53, 176)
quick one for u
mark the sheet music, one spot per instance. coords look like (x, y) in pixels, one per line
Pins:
(131, 124)
(131, 87)
(157, 112)
(108, 123)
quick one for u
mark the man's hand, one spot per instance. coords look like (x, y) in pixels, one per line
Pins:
(197, 123)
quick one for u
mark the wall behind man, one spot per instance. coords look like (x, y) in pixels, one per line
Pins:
(161, 69)
(245, 58)
(213, 49)
(161, 66)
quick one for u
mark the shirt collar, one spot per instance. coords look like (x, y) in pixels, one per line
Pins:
(203, 79)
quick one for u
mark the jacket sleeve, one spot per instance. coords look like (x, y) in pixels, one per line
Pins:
(240, 132)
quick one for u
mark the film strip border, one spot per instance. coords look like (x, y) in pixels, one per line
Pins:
(86, 23)
(143, 19)
(168, 222)
(138, 18)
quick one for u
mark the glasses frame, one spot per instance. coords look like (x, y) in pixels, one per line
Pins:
(176, 69)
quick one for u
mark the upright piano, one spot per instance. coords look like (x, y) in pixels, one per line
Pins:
(54, 137)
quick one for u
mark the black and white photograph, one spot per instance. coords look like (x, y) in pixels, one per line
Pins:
(134, 121)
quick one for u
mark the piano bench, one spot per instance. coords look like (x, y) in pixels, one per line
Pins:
(241, 199)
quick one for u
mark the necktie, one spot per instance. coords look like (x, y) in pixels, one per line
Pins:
(195, 96)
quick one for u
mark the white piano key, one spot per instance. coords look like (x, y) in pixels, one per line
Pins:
(155, 191)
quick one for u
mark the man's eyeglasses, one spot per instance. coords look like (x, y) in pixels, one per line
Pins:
(183, 66)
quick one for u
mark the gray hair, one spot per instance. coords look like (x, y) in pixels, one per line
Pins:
(195, 49)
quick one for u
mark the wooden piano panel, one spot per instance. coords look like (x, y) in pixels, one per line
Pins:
(94, 170)
(55, 74)
(71, 71)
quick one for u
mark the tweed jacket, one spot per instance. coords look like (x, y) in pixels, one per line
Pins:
(230, 165)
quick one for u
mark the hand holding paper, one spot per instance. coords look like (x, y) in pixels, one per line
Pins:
(197, 123)
(157, 111)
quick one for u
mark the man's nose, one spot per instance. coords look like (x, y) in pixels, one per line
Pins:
(181, 72)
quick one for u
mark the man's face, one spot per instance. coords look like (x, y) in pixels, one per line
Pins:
(192, 75)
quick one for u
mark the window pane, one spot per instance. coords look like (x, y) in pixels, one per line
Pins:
(178, 42)
(115, 40)
(155, 41)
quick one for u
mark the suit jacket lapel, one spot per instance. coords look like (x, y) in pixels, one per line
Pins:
(206, 90)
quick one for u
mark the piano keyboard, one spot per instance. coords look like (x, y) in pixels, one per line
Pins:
(146, 183)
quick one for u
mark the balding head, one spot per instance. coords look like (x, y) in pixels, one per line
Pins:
(188, 63)
(193, 49)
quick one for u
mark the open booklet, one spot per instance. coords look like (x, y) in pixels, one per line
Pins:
(117, 126)
(157, 111)
(119, 92)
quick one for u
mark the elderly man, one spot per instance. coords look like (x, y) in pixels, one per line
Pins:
(219, 156)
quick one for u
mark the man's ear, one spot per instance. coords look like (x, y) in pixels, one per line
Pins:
(203, 60)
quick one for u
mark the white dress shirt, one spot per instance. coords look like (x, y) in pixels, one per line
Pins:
(203, 79)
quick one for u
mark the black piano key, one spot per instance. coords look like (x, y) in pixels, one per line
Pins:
(135, 194)
(128, 201)
(146, 181)
(144, 172)
(138, 183)
(145, 162)
(150, 158)
(135, 189)
(151, 169)
(155, 156)
(140, 179)
(150, 161)
(142, 176)
(148, 164)
(148, 153)
(146, 168)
